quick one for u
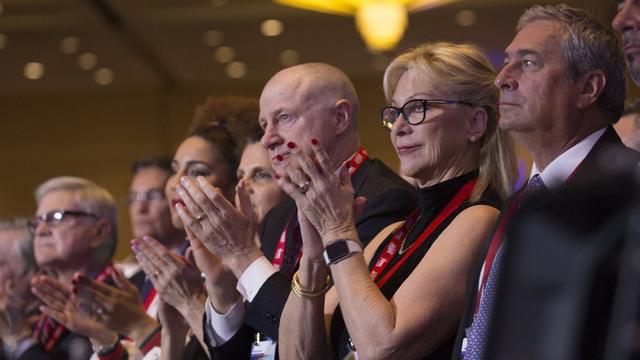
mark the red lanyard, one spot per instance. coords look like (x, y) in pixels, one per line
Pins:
(278, 257)
(401, 232)
(494, 246)
(151, 295)
(353, 164)
(498, 238)
(49, 337)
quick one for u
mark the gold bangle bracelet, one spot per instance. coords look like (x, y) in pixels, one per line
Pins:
(303, 293)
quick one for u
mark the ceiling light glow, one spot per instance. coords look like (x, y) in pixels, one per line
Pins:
(69, 45)
(466, 17)
(224, 54)
(289, 57)
(380, 22)
(34, 70)
(212, 38)
(271, 27)
(87, 61)
(236, 70)
(103, 76)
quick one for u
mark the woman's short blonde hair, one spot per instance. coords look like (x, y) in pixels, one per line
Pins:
(465, 74)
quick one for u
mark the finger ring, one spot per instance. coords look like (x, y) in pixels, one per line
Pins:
(155, 274)
(99, 310)
(201, 217)
(304, 187)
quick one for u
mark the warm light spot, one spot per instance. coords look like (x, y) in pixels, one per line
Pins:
(466, 17)
(33, 70)
(224, 54)
(271, 27)
(87, 61)
(103, 76)
(289, 57)
(69, 45)
(212, 38)
(236, 70)
(381, 24)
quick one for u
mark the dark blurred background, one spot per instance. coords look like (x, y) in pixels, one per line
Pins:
(88, 86)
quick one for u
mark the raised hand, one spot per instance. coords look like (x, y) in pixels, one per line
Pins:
(58, 303)
(227, 230)
(119, 308)
(177, 281)
(324, 196)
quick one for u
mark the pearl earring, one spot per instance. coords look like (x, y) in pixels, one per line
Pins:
(473, 139)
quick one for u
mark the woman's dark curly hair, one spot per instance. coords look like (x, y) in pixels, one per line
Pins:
(227, 123)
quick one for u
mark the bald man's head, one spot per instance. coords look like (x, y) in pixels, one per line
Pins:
(308, 101)
(318, 82)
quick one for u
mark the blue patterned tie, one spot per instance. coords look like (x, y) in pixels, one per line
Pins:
(478, 331)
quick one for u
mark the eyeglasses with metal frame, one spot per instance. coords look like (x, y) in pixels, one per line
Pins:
(413, 111)
(151, 195)
(55, 217)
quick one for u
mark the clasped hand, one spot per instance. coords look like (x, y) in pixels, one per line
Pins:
(324, 195)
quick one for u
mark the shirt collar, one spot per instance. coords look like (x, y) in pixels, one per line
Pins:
(559, 170)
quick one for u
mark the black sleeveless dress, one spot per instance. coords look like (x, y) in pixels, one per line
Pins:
(432, 200)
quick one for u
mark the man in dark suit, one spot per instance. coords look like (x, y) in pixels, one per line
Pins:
(562, 86)
(299, 105)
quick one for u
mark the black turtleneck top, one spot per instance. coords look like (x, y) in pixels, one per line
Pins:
(433, 199)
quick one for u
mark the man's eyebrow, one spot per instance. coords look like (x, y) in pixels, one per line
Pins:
(520, 53)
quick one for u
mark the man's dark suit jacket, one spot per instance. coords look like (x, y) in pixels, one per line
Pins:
(608, 153)
(389, 199)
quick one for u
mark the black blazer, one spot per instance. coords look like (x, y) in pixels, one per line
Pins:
(389, 199)
(607, 156)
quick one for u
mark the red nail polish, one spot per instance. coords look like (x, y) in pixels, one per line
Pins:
(314, 141)
(279, 157)
(291, 145)
(277, 176)
(74, 290)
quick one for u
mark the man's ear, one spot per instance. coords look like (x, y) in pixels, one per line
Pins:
(102, 231)
(591, 86)
(343, 115)
(478, 120)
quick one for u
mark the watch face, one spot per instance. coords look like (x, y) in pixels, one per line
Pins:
(337, 250)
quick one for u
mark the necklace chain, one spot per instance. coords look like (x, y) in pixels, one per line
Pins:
(402, 250)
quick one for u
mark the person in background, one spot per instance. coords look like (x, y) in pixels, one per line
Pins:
(401, 296)
(18, 307)
(211, 150)
(257, 173)
(150, 216)
(562, 86)
(75, 232)
(296, 104)
(628, 127)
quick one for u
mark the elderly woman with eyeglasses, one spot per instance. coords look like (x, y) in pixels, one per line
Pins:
(401, 297)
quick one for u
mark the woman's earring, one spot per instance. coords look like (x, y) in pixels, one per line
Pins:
(473, 139)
